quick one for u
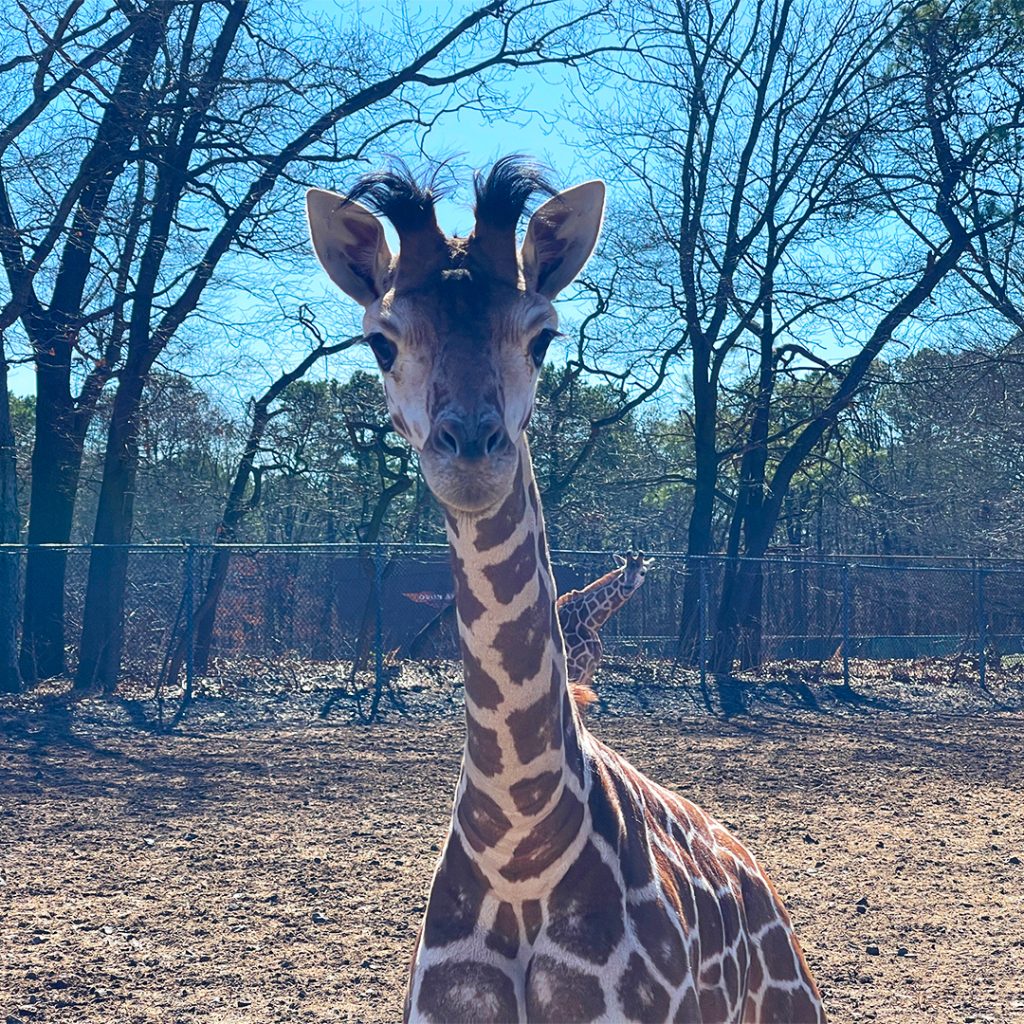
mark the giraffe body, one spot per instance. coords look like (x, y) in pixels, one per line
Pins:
(570, 887)
(581, 614)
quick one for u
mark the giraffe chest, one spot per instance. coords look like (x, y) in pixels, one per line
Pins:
(591, 950)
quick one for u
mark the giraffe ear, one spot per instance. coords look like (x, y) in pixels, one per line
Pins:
(561, 236)
(619, 560)
(350, 245)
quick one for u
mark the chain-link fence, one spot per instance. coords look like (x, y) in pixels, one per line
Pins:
(351, 612)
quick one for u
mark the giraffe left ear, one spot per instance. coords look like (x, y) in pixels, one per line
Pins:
(561, 236)
(619, 560)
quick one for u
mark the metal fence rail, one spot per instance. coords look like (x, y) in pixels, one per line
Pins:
(365, 608)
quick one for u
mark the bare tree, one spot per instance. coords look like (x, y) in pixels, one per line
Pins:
(10, 569)
(733, 136)
(243, 498)
(200, 122)
(784, 165)
(947, 168)
(49, 241)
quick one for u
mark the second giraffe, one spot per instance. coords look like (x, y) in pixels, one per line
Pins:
(581, 613)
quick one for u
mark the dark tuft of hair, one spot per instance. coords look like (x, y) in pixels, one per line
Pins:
(398, 195)
(502, 196)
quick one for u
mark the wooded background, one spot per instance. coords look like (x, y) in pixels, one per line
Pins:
(802, 331)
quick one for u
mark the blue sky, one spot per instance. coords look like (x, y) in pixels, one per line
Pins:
(467, 139)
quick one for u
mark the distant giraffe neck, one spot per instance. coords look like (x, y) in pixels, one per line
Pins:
(604, 597)
(519, 806)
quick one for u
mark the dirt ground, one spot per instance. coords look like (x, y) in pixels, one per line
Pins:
(277, 871)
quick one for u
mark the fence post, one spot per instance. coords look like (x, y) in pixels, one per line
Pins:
(378, 629)
(702, 622)
(846, 625)
(982, 625)
(190, 573)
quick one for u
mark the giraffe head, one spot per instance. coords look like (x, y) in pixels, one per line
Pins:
(634, 567)
(459, 326)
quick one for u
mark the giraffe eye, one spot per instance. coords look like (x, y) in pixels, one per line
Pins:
(539, 345)
(384, 350)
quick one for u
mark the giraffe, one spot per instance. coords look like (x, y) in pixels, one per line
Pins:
(581, 613)
(570, 887)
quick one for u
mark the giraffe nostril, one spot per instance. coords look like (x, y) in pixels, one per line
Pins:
(447, 441)
(495, 440)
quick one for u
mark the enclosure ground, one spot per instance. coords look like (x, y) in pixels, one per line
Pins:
(278, 873)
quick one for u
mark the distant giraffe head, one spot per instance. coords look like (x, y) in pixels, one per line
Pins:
(459, 326)
(634, 567)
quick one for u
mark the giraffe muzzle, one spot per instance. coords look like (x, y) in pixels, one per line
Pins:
(470, 437)
(469, 460)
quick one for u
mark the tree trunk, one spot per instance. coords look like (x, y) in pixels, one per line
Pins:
(699, 541)
(99, 660)
(56, 463)
(739, 614)
(10, 676)
(60, 423)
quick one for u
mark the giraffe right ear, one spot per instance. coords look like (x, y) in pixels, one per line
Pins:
(350, 245)
(619, 560)
(561, 236)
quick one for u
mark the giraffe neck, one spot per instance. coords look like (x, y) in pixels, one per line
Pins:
(519, 808)
(607, 598)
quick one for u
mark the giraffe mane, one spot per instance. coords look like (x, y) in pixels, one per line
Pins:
(582, 695)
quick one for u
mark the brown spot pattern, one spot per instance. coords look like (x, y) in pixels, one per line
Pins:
(535, 728)
(469, 606)
(463, 990)
(483, 747)
(642, 997)
(571, 735)
(547, 840)
(755, 978)
(659, 937)
(532, 918)
(788, 1007)
(758, 905)
(482, 820)
(709, 921)
(732, 980)
(605, 815)
(482, 689)
(713, 1009)
(585, 908)
(497, 529)
(778, 954)
(689, 1009)
(531, 795)
(523, 641)
(634, 852)
(557, 993)
(508, 578)
(455, 898)
(503, 937)
(730, 918)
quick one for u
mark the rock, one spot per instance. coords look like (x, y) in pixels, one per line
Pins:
(873, 950)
